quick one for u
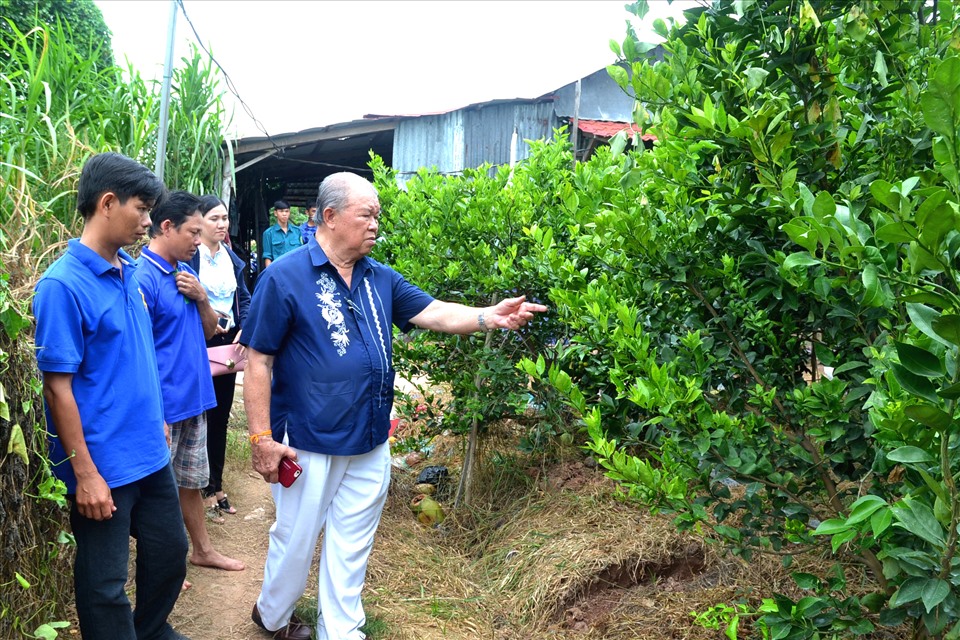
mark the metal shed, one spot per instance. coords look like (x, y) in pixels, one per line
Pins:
(290, 166)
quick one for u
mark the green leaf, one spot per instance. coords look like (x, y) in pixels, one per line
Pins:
(909, 455)
(801, 234)
(831, 527)
(864, 508)
(951, 392)
(880, 521)
(897, 232)
(910, 591)
(805, 580)
(880, 68)
(883, 192)
(619, 75)
(917, 385)
(934, 592)
(842, 538)
(918, 519)
(923, 318)
(928, 297)
(17, 445)
(824, 205)
(799, 260)
(948, 328)
(618, 142)
(929, 416)
(932, 206)
(939, 102)
(23, 581)
(755, 77)
(48, 631)
(849, 366)
(873, 293)
(919, 361)
(808, 16)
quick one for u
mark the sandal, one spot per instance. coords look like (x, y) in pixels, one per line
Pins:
(213, 515)
(224, 505)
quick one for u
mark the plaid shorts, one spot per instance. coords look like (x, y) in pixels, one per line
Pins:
(188, 450)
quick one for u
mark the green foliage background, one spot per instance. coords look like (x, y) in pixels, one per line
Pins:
(61, 101)
(798, 211)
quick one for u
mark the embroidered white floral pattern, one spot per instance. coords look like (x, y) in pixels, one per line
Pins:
(330, 310)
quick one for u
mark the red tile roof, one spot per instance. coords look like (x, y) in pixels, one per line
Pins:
(609, 129)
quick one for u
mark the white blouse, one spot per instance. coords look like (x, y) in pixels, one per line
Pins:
(218, 278)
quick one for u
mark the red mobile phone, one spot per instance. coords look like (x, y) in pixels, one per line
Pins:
(289, 471)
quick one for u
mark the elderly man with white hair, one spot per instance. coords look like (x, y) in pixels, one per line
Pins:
(318, 388)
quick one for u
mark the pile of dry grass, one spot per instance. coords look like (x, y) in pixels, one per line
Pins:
(549, 550)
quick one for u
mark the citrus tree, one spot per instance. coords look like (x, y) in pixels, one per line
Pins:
(797, 212)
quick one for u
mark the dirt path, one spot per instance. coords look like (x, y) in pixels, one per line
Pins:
(218, 606)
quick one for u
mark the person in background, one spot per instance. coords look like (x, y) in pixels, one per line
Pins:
(318, 388)
(279, 239)
(101, 392)
(221, 274)
(182, 317)
(309, 228)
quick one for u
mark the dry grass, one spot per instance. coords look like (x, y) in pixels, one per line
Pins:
(549, 550)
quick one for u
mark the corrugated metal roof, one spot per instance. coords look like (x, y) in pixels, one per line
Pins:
(610, 129)
(469, 137)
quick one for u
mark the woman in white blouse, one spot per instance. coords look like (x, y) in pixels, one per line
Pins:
(221, 274)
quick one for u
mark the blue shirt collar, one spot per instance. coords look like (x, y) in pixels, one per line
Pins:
(319, 258)
(156, 260)
(94, 261)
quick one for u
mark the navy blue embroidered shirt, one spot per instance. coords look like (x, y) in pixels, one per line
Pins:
(333, 374)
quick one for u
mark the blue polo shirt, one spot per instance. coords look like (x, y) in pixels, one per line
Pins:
(178, 335)
(92, 323)
(307, 232)
(333, 347)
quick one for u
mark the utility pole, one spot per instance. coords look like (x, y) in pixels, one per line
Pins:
(165, 93)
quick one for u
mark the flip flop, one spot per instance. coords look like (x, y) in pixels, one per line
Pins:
(224, 505)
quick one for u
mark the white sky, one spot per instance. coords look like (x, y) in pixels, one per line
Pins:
(300, 64)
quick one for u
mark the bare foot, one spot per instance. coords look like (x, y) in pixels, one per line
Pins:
(186, 585)
(216, 560)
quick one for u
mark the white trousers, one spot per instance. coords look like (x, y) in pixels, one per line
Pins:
(343, 496)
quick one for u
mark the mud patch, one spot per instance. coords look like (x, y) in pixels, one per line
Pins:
(592, 604)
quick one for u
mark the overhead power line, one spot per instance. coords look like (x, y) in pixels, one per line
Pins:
(229, 83)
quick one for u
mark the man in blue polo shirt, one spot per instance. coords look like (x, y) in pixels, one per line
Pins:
(280, 238)
(318, 388)
(309, 228)
(182, 320)
(104, 413)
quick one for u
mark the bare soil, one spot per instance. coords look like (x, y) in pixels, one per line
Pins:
(219, 603)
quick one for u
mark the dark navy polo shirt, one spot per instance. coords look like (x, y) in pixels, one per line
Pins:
(333, 374)
(92, 322)
(178, 336)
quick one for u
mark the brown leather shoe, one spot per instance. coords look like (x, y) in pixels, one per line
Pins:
(295, 630)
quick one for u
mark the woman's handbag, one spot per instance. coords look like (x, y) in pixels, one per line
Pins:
(226, 359)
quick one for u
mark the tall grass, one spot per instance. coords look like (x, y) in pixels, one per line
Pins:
(57, 108)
